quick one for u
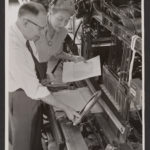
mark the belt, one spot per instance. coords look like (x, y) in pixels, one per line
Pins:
(19, 89)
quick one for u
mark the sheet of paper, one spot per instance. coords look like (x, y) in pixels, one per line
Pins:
(76, 99)
(71, 98)
(79, 71)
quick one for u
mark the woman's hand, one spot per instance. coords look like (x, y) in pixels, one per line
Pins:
(69, 57)
(76, 58)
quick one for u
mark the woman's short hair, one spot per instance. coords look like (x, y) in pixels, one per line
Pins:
(31, 8)
(64, 5)
(45, 3)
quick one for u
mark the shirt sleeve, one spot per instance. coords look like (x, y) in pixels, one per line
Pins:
(22, 70)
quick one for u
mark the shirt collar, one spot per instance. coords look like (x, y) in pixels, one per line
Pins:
(19, 33)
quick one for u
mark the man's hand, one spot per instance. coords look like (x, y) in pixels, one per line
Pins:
(49, 80)
(71, 113)
(45, 82)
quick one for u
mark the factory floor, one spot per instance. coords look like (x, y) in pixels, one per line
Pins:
(49, 146)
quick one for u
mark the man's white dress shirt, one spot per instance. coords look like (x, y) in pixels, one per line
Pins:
(22, 72)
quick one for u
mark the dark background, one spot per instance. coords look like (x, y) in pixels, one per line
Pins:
(147, 73)
(2, 74)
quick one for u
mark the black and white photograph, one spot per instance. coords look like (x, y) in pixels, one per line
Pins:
(74, 75)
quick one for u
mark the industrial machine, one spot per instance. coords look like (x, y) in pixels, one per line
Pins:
(112, 30)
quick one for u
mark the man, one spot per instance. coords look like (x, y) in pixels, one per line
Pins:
(25, 90)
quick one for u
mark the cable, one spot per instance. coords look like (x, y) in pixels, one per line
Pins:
(76, 31)
(135, 105)
(134, 39)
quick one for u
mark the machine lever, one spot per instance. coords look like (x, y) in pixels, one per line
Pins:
(87, 107)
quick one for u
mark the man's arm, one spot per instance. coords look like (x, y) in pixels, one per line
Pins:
(24, 73)
(70, 112)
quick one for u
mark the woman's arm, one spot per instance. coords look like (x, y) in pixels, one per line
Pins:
(70, 57)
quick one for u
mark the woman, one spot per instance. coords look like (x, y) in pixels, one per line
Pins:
(50, 44)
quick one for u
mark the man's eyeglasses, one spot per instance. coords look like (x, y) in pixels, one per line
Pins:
(40, 27)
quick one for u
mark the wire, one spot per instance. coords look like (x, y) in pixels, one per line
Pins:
(134, 39)
(135, 105)
(76, 31)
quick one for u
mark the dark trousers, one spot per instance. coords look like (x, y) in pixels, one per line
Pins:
(25, 121)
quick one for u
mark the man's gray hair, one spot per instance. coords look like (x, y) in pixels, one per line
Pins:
(32, 8)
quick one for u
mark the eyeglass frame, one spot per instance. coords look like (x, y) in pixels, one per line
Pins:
(41, 28)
